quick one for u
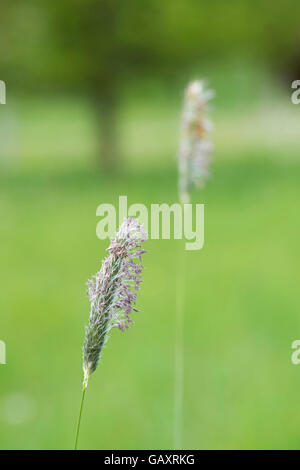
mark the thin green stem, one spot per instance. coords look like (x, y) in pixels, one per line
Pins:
(179, 348)
(79, 418)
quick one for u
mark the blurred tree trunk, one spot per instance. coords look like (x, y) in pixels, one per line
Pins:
(107, 128)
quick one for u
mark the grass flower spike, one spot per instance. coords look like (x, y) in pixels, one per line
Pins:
(193, 170)
(195, 148)
(112, 293)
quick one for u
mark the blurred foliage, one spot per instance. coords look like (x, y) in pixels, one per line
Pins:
(96, 47)
(96, 43)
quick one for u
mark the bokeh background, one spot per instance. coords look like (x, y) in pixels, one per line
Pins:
(94, 95)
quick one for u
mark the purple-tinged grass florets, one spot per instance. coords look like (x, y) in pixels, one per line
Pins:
(112, 291)
(195, 148)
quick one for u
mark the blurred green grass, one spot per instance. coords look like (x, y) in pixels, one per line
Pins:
(252, 111)
(242, 308)
(241, 314)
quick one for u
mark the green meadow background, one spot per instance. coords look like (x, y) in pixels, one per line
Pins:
(241, 390)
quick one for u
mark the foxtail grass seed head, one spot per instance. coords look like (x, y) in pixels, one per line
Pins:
(195, 148)
(112, 291)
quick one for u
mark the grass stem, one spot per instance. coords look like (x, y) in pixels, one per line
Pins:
(179, 348)
(79, 418)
